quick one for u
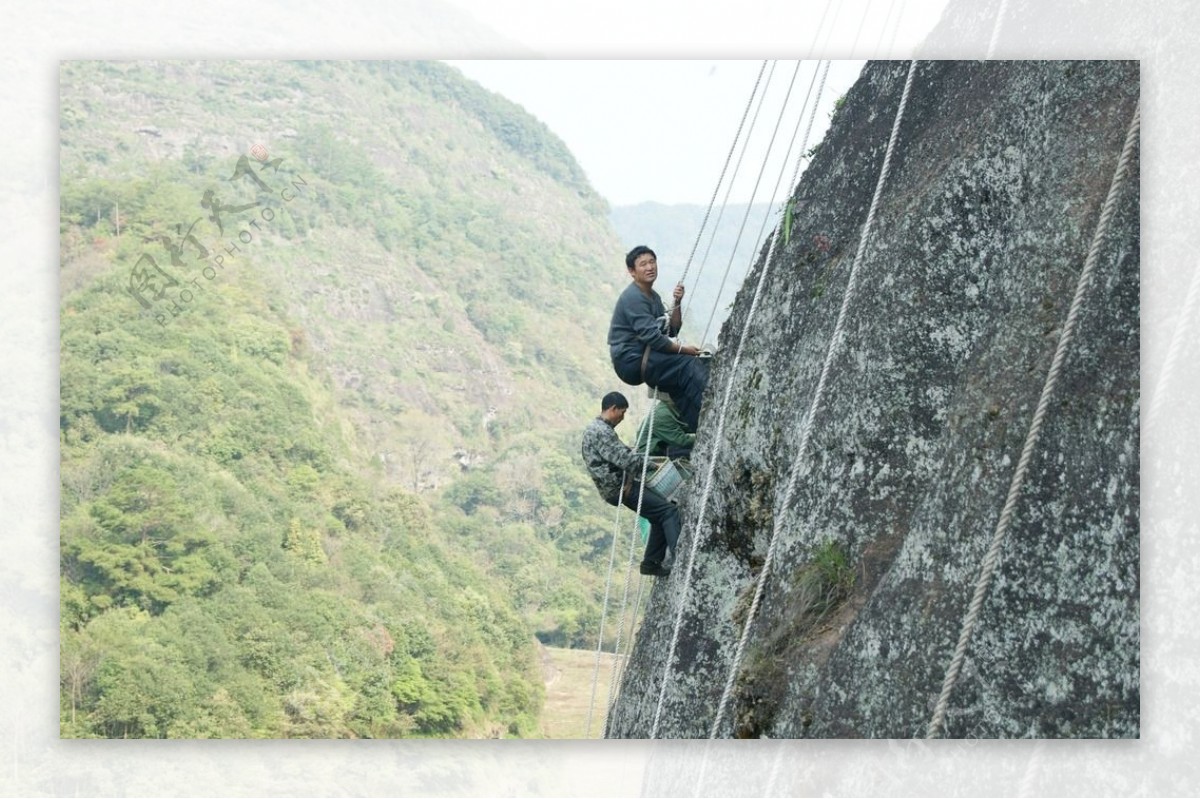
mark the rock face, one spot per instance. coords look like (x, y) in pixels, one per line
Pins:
(983, 226)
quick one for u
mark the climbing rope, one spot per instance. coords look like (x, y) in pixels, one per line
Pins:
(612, 677)
(774, 193)
(817, 30)
(603, 615)
(717, 188)
(708, 481)
(996, 30)
(861, 23)
(634, 617)
(1181, 335)
(993, 553)
(750, 204)
(883, 29)
(832, 27)
(623, 661)
(896, 28)
(737, 168)
(807, 424)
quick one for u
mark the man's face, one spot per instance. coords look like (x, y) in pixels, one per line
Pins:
(616, 415)
(645, 268)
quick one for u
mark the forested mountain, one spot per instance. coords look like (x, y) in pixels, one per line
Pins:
(328, 333)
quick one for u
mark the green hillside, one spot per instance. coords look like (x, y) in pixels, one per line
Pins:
(329, 331)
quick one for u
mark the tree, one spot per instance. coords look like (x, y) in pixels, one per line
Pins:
(304, 543)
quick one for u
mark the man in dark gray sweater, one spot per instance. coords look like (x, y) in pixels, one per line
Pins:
(640, 343)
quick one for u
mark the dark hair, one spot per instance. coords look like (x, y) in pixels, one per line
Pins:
(632, 256)
(613, 399)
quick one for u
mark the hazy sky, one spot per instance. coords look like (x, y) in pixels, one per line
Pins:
(661, 130)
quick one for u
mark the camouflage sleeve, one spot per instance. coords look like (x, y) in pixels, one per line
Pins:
(605, 445)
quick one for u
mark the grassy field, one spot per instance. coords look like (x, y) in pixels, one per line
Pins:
(568, 674)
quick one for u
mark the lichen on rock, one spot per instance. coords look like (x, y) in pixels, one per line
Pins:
(983, 226)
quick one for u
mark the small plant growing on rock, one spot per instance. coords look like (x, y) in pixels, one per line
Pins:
(815, 590)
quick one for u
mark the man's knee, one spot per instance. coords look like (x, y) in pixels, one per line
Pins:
(629, 372)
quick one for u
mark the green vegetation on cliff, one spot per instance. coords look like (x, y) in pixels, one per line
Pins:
(326, 483)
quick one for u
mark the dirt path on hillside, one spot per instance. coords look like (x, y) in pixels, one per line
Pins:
(572, 685)
(551, 674)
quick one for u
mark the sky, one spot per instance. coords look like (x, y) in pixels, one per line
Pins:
(662, 130)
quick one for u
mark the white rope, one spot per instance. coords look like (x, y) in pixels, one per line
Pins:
(702, 772)
(637, 609)
(633, 542)
(619, 674)
(817, 30)
(892, 41)
(861, 23)
(750, 205)
(832, 27)
(1182, 333)
(993, 553)
(621, 622)
(883, 29)
(773, 774)
(708, 480)
(622, 662)
(612, 555)
(717, 188)
(1028, 786)
(991, 51)
(729, 187)
(807, 425)
(633, 621)
(804, 109)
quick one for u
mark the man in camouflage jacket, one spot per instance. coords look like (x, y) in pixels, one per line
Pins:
(614, 468)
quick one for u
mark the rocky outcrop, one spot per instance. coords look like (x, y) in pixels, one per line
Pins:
(983, 226)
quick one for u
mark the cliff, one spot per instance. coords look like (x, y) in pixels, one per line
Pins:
(982, 228)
